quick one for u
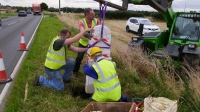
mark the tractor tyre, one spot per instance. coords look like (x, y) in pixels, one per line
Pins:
(191, 61)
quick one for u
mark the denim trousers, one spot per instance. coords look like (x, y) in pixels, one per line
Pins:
(56, 78)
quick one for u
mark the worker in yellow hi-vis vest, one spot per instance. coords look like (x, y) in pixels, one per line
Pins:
(106, 82)
(88, 22)
(57, 60)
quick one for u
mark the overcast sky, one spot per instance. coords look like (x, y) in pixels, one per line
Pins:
(178, 5)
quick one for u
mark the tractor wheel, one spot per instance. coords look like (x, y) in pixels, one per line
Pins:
(191, 61)
(127, 29)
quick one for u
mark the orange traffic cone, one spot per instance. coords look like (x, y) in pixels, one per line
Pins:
(22, 46)
(3, 76)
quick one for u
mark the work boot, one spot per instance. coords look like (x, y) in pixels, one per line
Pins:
(67, 81)
(36, 82)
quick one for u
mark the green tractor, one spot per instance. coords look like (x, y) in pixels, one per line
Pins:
(180, 41)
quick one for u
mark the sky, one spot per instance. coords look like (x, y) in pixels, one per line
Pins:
(178, 5)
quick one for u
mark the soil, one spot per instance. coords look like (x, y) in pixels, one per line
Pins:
(79, 91)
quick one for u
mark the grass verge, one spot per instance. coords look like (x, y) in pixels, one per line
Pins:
(8, 14)
(139, 78)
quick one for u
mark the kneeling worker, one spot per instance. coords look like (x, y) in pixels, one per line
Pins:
(106, 84)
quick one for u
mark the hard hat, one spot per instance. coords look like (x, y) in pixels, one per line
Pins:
(95, 50)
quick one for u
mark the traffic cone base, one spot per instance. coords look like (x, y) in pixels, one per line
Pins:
(24, 49)
(22, 46)
(3, 76)
(6, 81)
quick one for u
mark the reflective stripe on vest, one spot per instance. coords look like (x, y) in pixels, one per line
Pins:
(103, 79)
(84, 40)
(55, 59)
(102, 75)
(107, 89)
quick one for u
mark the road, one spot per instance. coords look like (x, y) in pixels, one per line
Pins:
(10, 38)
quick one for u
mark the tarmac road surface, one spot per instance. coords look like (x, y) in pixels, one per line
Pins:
(10, 40)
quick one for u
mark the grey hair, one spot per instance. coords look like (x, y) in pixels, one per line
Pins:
(97, 55)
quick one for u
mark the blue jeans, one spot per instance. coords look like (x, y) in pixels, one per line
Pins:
(55, 79)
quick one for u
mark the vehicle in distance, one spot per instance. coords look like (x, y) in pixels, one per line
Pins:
(36, 8)
(22, 13)
(133, 24)
(28, 11)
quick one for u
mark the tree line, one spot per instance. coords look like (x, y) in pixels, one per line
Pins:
(110, 14)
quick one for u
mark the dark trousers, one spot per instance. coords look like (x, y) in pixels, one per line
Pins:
(79, 58)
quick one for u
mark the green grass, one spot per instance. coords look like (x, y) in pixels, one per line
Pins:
(42, 99)
(48, 13)
(6, 15)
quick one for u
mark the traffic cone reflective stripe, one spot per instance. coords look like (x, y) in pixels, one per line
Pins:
(22, 43)
(3, 76)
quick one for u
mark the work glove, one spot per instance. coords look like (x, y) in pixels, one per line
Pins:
(88, 35)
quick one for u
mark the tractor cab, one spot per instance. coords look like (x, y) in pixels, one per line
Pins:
(187, 28)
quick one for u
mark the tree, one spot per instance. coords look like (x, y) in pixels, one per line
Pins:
(44, 6)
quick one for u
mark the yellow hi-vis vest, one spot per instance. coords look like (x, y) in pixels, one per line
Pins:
(107, 87)
(55, 59)
(84, 40)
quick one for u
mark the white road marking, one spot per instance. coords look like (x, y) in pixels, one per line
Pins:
(12, 23)
(7, 86)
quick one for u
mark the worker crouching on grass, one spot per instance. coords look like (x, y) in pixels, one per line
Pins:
(56, 60)
(106, 84)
